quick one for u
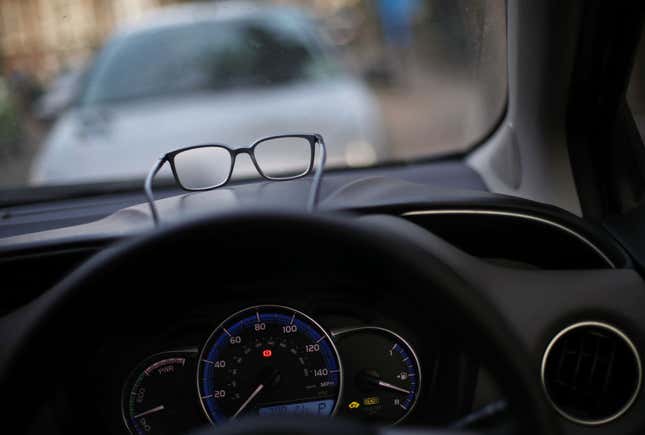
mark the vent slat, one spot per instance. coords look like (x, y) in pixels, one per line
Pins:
(610, 366)
(579, 357)
(594, 365)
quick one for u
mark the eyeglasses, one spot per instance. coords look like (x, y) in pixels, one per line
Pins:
(276, 158)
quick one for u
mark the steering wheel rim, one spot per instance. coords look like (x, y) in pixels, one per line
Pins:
(49, 316)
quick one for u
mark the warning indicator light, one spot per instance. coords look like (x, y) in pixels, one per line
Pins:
(369, 401)
(267, 353)
(353, 405)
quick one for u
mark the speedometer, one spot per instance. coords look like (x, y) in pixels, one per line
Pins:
(268, 360)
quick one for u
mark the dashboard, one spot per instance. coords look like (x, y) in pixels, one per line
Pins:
(187, 345)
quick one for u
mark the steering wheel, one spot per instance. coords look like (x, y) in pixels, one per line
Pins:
(201, 258)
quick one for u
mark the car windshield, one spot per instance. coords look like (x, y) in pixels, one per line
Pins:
(94, 92)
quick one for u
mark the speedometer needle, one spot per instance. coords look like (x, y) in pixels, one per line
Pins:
(247, 401)
(268, 377)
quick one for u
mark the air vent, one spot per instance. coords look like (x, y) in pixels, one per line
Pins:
(591, 372)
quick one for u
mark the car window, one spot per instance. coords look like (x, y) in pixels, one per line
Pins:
(94, 92)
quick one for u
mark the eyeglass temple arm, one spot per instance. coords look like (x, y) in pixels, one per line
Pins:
(147, 187)
(315, 188)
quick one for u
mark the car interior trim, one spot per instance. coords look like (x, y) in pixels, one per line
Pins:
(518, 215)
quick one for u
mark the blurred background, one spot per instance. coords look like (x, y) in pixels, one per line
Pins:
(96, 90)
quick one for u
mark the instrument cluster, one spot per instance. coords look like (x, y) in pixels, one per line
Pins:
(273, 360)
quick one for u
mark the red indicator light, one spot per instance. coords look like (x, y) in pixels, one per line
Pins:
(267, 353)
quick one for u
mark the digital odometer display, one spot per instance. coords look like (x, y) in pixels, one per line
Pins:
(268, 360)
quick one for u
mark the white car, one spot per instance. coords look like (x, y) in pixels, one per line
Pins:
(60, 95)
(205, 73)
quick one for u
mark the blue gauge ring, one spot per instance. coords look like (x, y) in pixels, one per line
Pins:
(268, 360)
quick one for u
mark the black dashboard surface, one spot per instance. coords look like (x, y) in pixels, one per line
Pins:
(31, 211)
(443, 185)
(55, 237)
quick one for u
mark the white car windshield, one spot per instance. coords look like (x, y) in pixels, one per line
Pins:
(94, 93)
(203, 57)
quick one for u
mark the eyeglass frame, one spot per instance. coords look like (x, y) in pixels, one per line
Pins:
(169, 157)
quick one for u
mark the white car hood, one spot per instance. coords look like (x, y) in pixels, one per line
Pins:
(122, 141)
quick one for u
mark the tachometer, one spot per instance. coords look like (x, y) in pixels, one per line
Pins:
(268, 360)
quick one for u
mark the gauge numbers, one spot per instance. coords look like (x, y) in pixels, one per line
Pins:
(155, 398)
(382, 380)
(268, 360)
(271, 360)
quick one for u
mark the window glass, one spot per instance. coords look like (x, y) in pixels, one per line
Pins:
(95, 91)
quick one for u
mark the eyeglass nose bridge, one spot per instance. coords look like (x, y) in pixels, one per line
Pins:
(248, 150)
(242, 150)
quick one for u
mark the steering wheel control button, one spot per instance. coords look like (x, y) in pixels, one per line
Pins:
(591, 373)
(268, 361)
(383, 380)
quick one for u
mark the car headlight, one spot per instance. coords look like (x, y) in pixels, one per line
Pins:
(360, 153)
